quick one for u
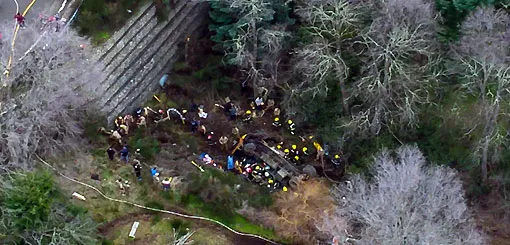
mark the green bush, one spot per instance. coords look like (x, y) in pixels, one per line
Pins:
(29, 199)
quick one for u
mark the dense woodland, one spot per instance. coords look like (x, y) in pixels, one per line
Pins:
(413, 92)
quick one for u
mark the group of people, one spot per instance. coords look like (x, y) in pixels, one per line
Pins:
(122, 127)
(252, 168)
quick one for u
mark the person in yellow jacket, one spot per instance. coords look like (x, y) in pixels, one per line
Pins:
(276, 122)
(320, 151)
(291, 126)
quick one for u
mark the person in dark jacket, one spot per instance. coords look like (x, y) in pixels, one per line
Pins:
(138, 169)
(124, 154)
(20, 18)
(111, 153)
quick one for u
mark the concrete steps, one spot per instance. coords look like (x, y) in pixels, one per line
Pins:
(122, 66)
(142, 51)
(136, 95)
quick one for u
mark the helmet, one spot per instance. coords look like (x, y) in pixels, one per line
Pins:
(286, 151)
(248, 112)
(257, 167)
(294, 147)
(310, 137)
(120, 118)
(161, 111)
(305, 148)
(284, 188)
(279, 146)
(212, 132)
(276, 119)
(266, 174)
(184, 111)
(337, 156)
(296, 157)
(270, 181)
(289, 121)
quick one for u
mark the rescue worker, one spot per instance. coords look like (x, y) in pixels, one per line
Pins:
(138, 153)
(320, 151)
(129, 120)
(111, 153)
(138, 112)
(276, 122)
(118, 121)
(21, 19)
(305, 151)
(202, 130)
(210, 139)
(259, 102)
(233, 113)
(166, 184)
(247, 116)
(194, 125)
(123, 186)
(223, 142)
(337, 161)
(276, 112)
(116, 136)
(124, 154)
(138, 169)
(294, 149)
(141, 121)
(124, 129)
(155, 174)
(235, 132)
(295, 159)
(291, 126)
(286, 153)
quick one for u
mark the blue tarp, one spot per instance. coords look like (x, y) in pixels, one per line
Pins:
(230, 162)
(162, 81)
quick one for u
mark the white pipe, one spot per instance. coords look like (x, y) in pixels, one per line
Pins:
(62, 7)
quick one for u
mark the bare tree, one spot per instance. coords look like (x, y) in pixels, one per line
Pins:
(483, 58)
(400, 52)
(405, 202)
(332, 24)
(50, 85)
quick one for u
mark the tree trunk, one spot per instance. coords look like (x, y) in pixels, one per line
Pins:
(341, 82)
(485, 152)
(253, 28)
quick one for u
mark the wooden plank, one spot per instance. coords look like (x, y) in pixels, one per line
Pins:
(133, 229)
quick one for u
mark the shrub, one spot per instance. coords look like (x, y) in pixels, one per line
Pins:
(29, 199)
(33, 211)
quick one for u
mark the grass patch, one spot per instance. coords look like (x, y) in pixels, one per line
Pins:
(148, 146)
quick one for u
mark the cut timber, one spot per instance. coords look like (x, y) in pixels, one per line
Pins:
(133, 229)
(78, 196)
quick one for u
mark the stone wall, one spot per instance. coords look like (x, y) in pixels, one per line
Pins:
(142, 51)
